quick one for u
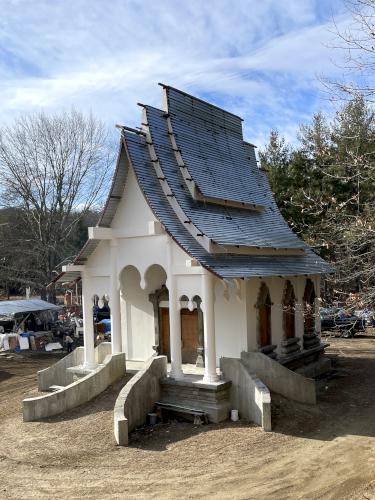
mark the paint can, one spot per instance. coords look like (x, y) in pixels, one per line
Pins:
(152, 417)
(234, 415)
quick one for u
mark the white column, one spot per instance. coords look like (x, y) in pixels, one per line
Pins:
(299, 313)
(88, 324)
(114, 302)
(317, 306)
(207, 306)
(174, 319)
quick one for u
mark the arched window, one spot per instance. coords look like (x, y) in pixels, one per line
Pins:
(289, 305)
(308, 306)
(264, 316)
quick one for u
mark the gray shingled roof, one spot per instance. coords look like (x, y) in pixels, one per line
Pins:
(223, 224)
(211, 144)
(223, 167)
(225, 266)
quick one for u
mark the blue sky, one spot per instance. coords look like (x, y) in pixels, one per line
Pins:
(260, 59)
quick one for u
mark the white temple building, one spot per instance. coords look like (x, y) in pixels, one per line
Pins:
(192, 251)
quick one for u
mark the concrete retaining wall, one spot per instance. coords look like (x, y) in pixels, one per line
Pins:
(248, 394)
(76, 393)
(57, 374)
(137, 398)
(279, 379)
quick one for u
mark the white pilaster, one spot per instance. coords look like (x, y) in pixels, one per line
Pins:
(317, 305)
(114, 301)
(174, 319)
(207, 306)
(88, 324)
(299, 313)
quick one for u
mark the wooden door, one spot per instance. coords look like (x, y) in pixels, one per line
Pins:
(164, 340)
(189, 335)
(264, 325)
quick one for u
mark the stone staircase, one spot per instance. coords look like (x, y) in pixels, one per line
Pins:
(191, 392)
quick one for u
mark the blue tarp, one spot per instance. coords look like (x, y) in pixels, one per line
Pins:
(107, 325)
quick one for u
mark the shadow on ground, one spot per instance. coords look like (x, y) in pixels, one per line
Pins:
(5, 375)
(345, 406)
(102, 403)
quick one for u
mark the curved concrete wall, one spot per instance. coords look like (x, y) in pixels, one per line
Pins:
(137, 398)
(57, 374)
(76, 393)
(279, 379)
(247, 394)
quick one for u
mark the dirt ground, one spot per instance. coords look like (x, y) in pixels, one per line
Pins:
(327, 451)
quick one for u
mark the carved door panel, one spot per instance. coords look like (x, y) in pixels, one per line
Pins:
(189, 335)
(164, 332)
(264, 325)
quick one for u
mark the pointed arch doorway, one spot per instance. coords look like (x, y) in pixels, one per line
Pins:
(290, 343)
(264, 316)
(310, 339)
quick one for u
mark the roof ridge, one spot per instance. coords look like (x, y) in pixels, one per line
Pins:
(200, 100)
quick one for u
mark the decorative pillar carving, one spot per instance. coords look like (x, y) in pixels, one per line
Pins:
(200, 348)
(310, 339)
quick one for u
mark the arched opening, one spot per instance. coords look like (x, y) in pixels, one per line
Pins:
(190, 329)
(308, 306)
(138, 315)
(289, 305)
(264, 316)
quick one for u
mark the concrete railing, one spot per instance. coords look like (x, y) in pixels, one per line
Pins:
(57, 374)
(247, 394)
(137, 398)
(78, 392)
(280, 379)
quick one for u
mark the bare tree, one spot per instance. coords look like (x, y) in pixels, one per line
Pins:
(357, 43)
(53, 170)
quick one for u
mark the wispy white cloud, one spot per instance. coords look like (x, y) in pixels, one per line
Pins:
(258, 59)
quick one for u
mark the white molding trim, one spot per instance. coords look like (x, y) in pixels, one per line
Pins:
(100, 233)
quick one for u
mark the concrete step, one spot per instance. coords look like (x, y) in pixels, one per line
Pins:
(81, 371)
(54, 388)
(211, 399)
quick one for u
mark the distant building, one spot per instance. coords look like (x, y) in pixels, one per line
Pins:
(192, 251)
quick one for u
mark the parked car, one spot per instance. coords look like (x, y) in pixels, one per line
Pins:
(345, 322)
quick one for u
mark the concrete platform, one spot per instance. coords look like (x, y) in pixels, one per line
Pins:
(213, 399)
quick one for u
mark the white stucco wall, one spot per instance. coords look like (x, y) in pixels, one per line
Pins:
(133, 213)
(230, 320)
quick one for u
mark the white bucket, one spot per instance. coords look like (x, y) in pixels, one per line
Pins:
(152, 418)
(234, 415)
